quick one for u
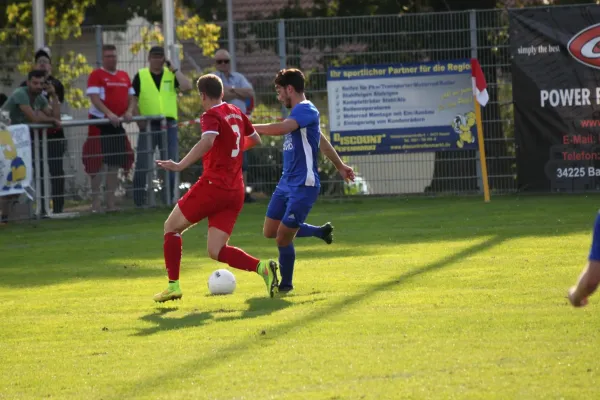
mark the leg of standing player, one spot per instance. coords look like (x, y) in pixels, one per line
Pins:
(222, 209)
(286, 214)
(287, 253)
(220, 250)
(175, 225)
(220, 227)
(590, 277)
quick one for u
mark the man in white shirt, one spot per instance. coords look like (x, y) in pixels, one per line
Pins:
(237, 90)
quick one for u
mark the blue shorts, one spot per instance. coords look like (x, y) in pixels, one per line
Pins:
(291, 205)
(595, 248)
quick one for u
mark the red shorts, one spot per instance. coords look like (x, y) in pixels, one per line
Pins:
(221, 206)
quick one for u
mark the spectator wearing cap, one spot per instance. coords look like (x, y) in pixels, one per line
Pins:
(56, 137)
(155, 90)
(237, 91)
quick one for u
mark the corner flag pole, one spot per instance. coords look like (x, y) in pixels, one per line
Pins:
(482, 159)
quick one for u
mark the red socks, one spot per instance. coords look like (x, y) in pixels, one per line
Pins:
(238, 258)
(172, 251)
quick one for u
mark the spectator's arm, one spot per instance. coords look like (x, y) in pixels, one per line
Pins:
(99, 104)
(133, 102)
(184, 83)
(60, 90)
(228, 93)
(35, 117)
(244, 91)
(53, 108)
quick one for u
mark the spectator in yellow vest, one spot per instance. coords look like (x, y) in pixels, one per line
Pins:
(156, 94)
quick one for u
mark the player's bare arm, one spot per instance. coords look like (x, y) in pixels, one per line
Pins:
(197, 152)
(277, 128)
(327, 149)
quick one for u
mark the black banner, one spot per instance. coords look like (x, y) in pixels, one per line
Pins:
(556, 92)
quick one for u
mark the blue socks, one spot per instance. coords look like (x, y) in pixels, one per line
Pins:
(287, 258)
(307, 230)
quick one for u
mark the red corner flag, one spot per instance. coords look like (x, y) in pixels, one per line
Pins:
(479, 85)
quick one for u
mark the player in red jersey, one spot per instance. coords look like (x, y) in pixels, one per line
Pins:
(219, 193)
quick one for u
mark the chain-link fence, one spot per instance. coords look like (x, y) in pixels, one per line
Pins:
(314, 45)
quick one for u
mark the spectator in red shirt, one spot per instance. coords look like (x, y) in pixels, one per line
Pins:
(111, 94)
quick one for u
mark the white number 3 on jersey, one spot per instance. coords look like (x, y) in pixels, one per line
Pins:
(238, 137)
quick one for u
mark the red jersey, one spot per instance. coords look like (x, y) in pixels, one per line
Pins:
(223, 162)
(114, 89)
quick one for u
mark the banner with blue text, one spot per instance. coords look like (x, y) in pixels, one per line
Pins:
(400, 108)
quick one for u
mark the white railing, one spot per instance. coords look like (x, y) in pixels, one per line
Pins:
(41, 162)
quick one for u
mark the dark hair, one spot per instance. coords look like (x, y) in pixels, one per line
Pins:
(292, 77)
(36, 73)
(210, 85)
(109, 47)
(41, 53)
(157, 50)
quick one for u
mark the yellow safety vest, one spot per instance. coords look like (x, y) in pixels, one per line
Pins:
(155, 102)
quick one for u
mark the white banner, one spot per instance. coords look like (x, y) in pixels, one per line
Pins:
(16, 166)
(401, 108)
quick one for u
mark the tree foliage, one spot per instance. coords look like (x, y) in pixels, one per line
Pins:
(63, 21)
(188, 27)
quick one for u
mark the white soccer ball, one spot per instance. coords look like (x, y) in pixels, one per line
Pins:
(222, 281)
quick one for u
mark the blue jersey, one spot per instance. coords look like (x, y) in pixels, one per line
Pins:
(301, 146)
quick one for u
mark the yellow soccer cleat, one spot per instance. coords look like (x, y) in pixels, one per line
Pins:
(173, 292)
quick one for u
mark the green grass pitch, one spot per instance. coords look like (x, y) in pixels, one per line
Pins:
(417, 298)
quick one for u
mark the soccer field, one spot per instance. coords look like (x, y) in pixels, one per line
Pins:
(416, 298)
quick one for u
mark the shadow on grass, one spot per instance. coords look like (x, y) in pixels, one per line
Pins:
(150, 385)
(257, 307)
(93, 248)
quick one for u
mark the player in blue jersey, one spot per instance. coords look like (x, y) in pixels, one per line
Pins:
(299, 185)
(590, 278)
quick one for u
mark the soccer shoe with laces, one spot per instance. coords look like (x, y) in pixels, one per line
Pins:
(170, 293)
(327, 233)
(268, 271)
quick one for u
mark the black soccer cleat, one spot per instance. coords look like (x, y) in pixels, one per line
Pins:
(327, 233)
(285, 289)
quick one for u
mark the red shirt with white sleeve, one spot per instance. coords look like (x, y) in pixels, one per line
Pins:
(114, 89)
(223, 162)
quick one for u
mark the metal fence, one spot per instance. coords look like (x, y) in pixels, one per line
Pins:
(263, 47)
(118, 171)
